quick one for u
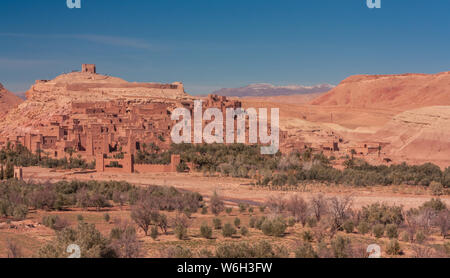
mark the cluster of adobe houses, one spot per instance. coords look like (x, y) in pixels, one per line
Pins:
(335, 146)
(112, 132)
(105, 131)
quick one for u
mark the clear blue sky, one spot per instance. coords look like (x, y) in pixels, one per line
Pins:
(210, 44)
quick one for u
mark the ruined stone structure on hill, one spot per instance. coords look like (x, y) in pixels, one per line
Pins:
(91, 68)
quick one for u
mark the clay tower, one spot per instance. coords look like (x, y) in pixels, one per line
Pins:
(90, 68)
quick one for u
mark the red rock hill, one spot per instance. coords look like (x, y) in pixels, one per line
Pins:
(399, 92)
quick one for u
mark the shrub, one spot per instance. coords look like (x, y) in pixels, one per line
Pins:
(217, 223)
(259, 250)
(340, 209)
(420, 237)
(434, 204)
(237, 222)
(307, 236)
(106, 217)
(205, 231)
(305, 250)
(259, 222)
(242, 207)
(228, 210)
(341, 247)
(404, 236)
(176, 252)
(311, 222)
(14, 251)
(217, 205)
(436, 188)
(275, 227)
(319, 206)
(393, 248)
(54, 222)
(204, 210)
(250, 210)
(252, 222)
(378, 230)
(180, 231)
(348, 226)
(262, 208)
(116, 233)
(442, 220)
(244, 231)
(447, 247)
(124, 241)
(392, 231)
(99, 201)
(291, 221)
(80, 217)
(363, 227)
(20, 212)
(154, 232)
(382, 214)
(90, 240)
(228, 230)
(205, 254)
(298, 208)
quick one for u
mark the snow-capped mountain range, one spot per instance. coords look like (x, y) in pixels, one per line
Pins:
(266, 89)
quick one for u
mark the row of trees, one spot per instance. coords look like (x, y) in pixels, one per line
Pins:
(244, 161)
(21, 156)
(17, 196)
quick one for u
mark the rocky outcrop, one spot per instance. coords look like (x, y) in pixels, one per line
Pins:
(399, 92)
(421, 134)
(47, 98)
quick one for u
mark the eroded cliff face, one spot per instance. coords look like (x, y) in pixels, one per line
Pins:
(421, 134)
(8, 101)
(399, 92)
(47, 98)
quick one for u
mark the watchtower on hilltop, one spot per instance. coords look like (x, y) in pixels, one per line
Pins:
(90, 68)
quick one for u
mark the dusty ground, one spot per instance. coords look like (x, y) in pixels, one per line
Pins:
(30, 235)
(240, 190)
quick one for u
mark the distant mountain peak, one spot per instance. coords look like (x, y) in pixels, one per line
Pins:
(267, 89)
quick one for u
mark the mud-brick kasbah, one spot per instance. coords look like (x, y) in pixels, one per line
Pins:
(112, 130)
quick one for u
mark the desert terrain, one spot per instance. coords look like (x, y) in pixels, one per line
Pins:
(408, 113)
(75, 137)
(236, 191)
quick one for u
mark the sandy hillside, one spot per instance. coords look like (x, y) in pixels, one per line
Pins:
(410, 112)
(53, 97)
(398, 92)
(8, 101)
(421, 134)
